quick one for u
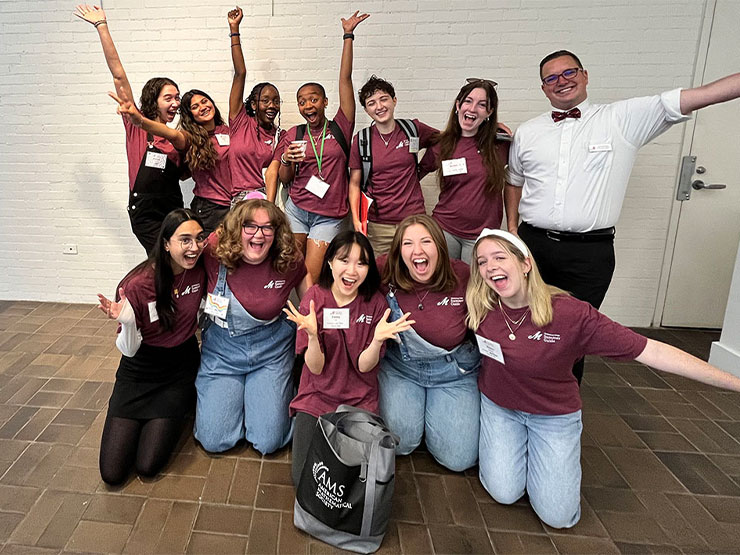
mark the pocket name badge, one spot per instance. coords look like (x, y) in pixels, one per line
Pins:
(336, 318)
(156, 160)
(216, 305)
(456, 166)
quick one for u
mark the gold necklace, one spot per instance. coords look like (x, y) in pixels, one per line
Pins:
(518, 323)
(177, 288)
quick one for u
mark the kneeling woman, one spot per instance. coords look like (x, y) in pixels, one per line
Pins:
(244, 383)
(157, 308)
(344, 344)
(428, 381)
(530, 335)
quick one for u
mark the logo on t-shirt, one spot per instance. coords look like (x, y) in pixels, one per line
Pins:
(275, 284)
(545, 337)
(403, 143)
(194, 288)
(364, 319)
(450, 301)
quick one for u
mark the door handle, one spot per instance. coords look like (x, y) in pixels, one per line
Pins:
(699, 184)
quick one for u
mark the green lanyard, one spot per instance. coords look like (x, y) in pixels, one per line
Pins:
(319, 157)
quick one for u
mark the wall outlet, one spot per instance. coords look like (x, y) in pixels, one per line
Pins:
(69, 248)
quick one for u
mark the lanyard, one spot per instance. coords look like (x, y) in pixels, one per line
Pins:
(319, 157)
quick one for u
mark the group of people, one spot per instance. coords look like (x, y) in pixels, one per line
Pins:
(442, 324)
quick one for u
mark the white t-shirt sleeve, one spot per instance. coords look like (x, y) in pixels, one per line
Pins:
(129, 338)
(514, 172)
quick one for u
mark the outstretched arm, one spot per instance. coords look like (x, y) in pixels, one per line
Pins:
(236, 97)
(721, 90)
(179, 139)
(670, 359)
(96, 16)
(346, 92)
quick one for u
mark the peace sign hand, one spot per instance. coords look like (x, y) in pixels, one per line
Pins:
(128, 110)
(306, 322)
(353, 21)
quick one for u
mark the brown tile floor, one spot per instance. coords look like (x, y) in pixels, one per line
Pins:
(661, 466)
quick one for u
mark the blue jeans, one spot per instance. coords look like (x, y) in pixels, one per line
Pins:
(316, 226)
(538, 453)
(244, 387)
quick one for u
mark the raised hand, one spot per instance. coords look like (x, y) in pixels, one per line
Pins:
(389, 330)
(112, 309)
(306, 322)
(91, 14)
(353, 21)
(128, 110)
(235, 17)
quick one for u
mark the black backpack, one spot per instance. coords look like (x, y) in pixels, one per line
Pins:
(366, 151)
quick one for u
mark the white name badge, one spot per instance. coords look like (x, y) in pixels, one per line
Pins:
(216, 305)
(153, 316)
(414, 145)
(603, 147)
(336, 318)
(456, 166)
(223, 139)
(317, 186)
(155, 160)
(489, 348)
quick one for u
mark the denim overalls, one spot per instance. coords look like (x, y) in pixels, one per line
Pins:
(428, 389)
(244, 382)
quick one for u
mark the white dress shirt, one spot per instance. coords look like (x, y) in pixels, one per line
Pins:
(574, 173)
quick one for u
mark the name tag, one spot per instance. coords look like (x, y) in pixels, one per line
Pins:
(223, 139)
(153, 316)
(155, 160)
(414, 145)
(336, 318)
(317, 186)
(216, 305)
(489, 348)
(603, 147)
(456, 166)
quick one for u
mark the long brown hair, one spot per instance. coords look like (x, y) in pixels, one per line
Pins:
(201, 154)
(395, 271)
(283, 253)
(485, 138)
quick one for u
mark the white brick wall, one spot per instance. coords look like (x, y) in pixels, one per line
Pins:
(62, 159)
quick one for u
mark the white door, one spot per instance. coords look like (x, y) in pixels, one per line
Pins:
(709, 223)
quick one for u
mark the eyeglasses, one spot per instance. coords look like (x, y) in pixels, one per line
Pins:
(569, 73)
(472, 80)
(188, 242)
(252, 229)
(268, 101)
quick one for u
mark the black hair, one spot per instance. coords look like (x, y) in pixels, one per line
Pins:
(340, 246)
(373, 85)
(312, 84)
(559, 54)
(254, 96)
(149, 94)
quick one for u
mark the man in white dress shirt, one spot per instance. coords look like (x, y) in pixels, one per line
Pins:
(569, 169)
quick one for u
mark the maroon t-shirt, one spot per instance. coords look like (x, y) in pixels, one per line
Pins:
(259, 288)
(251, 151)
(187, 291)
(340, 382)
(464, 208)
(333, 169)
(442, 321)
(136, 145)
(537, 374)
(394, 183)
(215, 184)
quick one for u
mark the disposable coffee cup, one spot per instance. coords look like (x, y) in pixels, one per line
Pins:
(302, 145)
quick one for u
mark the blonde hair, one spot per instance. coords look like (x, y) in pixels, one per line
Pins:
(283, 253)
(481, 298)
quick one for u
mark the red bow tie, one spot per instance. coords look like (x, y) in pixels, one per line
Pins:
(560, 116)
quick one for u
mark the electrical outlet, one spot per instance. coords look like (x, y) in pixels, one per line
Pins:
(69, 248)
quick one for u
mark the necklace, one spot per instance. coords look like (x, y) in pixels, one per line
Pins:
(386, 143)
(420, 306)
(177, 288)
(517, 324)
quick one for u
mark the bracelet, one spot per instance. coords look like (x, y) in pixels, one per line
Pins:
(348, 36)
(236, 44)
(101, 22)
(282, 160)
(235, 34)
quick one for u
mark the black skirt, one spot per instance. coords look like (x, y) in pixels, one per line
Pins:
(157, 382)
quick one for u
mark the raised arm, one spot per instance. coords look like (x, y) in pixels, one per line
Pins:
(236, 97)
(346, 91)
(179, 139)
(96, 17)
(721, 90)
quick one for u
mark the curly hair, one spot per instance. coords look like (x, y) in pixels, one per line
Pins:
(150, 93)
(485, 137)
(201, 154)
(283, 253)
(373, 85)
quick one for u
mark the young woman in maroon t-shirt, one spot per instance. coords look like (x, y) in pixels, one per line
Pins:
(530, 334)
(342, 328)
(318, 192)
(470, 164)
(154, 164)
(157, 308)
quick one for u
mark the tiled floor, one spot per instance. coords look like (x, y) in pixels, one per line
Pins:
(661, 466)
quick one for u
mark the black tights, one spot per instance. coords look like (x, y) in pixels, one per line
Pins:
(126, 442)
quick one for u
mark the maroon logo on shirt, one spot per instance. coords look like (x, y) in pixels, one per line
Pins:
(545, 337)
(194, 288)
(275, 284)
(364, 319)
(451, 301)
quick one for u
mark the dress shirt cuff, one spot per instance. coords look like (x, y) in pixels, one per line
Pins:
(671, 101)
(513, 178)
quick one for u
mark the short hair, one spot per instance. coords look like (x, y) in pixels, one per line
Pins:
(311, 84)
(559, 54)
(373, 85)
(340, 246)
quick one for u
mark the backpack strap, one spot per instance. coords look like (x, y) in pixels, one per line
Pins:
(409, 127)
(366, 155)
(300, 132)
(339, 137)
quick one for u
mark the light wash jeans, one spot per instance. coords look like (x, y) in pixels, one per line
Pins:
(459, 248)
(539, 454)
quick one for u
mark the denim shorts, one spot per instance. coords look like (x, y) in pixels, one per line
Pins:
(316, 226)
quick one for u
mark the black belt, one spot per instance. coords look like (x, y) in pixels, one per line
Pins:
(606, 234)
